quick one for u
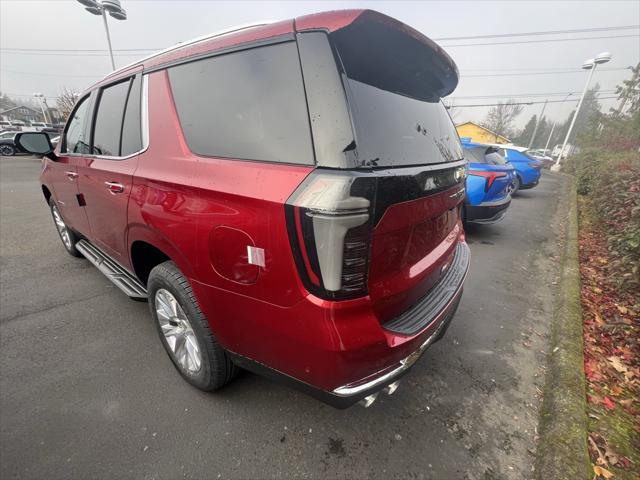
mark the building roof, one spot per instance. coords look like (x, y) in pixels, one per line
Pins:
(483, 128)
(20, 107)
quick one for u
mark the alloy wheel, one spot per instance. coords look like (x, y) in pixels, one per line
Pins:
(6, 150)
(178, 332)
(62, 227)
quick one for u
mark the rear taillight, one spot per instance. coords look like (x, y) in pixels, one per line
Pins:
(329, 220)
(536, 165)
(489, 177)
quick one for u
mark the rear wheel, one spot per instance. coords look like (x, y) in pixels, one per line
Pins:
(516, 185)
(68, 236)
(7, 150)
(184, 330)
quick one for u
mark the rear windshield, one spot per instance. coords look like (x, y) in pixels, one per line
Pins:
(394, 84)
(485, 155)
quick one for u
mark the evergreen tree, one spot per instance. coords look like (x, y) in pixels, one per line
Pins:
(524, 136)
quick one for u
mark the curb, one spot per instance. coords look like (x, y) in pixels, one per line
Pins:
(562, 451)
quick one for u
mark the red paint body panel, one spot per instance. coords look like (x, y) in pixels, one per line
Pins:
(203, 212)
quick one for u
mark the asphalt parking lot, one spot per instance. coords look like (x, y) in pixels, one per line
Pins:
(86, 390)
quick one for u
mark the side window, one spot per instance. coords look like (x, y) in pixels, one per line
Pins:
(248, 105)
(108, 119)
(131, 127)
(74, 138)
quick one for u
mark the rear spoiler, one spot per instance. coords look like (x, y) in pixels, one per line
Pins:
(388, 54)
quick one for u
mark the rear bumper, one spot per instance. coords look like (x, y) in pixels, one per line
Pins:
(350, 394)
(530, 185)
(488, 212)
(337, 352)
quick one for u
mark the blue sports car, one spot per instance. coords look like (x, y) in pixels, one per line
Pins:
(490, 183)
(528, 169)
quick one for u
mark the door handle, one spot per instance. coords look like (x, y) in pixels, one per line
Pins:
(71, 175)
(114, 187)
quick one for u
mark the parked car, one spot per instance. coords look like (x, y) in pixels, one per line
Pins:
(568, 150)
(272, 224)
(547, 161)
(6, 125)
(528, 168)
(39, 125)
(490, 183)
(8, 147)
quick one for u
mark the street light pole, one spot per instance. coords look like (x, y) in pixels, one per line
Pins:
(588, 65)
(535, 130)
(113, 8)
(553, 127)
(40, 98)
(106, 29)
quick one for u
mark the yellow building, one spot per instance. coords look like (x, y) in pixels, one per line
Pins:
(479, 134)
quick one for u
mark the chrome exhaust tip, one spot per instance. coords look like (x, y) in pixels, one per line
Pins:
(392, 387)
(367, 401)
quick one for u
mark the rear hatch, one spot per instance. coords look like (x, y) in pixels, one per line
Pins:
(496, 173)
(380, 216)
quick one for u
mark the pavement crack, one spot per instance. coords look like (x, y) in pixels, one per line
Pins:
(20, 315)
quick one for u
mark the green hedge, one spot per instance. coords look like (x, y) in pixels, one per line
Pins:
(610, 181)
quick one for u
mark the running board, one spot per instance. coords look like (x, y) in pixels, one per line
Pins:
(112, 270)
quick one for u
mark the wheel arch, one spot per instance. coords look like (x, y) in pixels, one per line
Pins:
(148, 248)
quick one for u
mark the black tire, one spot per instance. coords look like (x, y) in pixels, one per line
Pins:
(516, 185)
(73, 238)
(7, 150)
(216, 368)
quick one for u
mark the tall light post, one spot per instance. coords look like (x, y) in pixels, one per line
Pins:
(41, 101)
(553, 127)
(591, 65)
(114, 9)
(538, 120)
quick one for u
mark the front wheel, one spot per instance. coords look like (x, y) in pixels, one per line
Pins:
(7, 151)
(68, 236)
(184, 330)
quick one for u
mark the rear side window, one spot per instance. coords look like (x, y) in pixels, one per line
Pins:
(131, 127)
(117, 130)
(74, 137)
(246, 105)
(108, 123)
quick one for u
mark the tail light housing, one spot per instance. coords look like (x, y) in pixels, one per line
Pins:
(329, 221)
(490, 177)
(536, 165)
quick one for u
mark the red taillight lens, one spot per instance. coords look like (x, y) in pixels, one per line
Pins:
(489, 176)
(329, 222)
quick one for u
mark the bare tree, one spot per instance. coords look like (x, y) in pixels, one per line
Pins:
(65, 101)
(500, 118)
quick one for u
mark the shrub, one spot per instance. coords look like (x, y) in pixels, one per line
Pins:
(610, 181)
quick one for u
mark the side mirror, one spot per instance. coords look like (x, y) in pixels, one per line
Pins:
(37, 143)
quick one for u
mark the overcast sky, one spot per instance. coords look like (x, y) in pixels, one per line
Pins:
(514, 69)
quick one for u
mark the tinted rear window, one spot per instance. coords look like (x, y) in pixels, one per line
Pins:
(246, 105)
(108, 123)
(394, 83)
(131, 128)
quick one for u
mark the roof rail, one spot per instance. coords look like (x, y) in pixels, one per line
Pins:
(192, 42)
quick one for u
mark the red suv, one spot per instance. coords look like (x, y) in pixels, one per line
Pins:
(287, 196)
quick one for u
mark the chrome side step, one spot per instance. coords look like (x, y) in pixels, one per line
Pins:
(112, 270)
